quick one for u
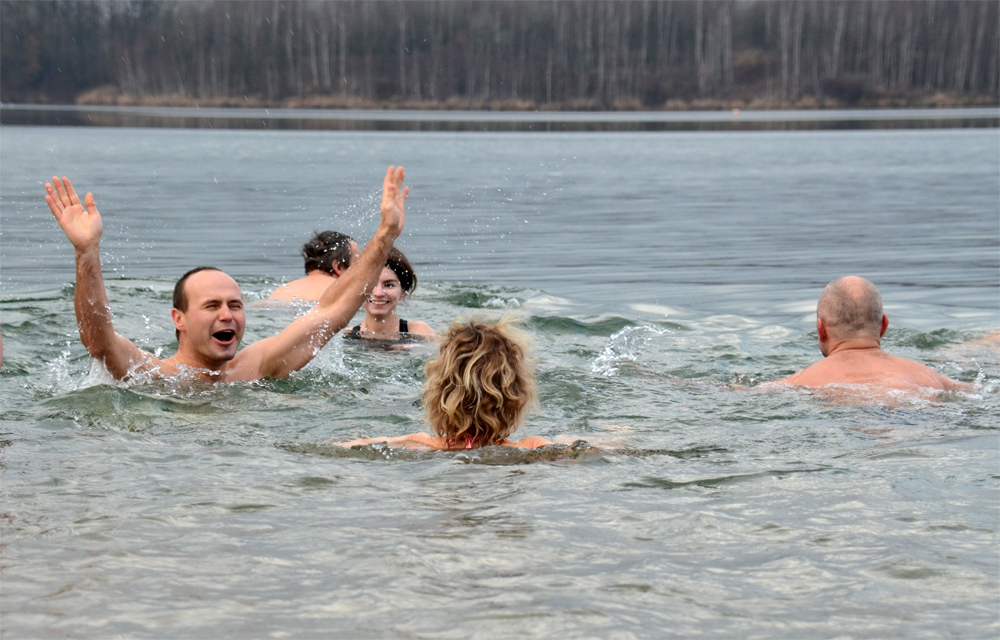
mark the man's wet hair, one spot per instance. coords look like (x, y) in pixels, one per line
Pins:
(851, 305)
(180, 296)
(399, 265)
(325, 250)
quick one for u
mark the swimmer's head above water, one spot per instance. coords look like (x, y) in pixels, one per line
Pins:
(330, 252)
(850, 308)
(479, 390)
(398, 264)
(850, 323)
(480, 387)
(397, 280)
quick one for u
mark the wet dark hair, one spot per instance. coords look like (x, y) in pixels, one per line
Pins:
(180, 296)
(399, 265)
(326, 249)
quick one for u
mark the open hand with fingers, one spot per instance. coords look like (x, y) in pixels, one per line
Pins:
(81, 222)
(393, 197)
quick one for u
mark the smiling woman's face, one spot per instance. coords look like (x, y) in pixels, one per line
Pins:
(387, 294)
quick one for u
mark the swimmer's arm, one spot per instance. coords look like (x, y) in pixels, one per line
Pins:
(84, 228)
(530, 442)
(360, 442)
(420, 440)
(294, 347)
(955, 385)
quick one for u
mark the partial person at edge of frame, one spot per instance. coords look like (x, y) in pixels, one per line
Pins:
(327, 255)
(381, 322)
(479, 389)
(208, 313)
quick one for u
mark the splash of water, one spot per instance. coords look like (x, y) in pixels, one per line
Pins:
(623, 346)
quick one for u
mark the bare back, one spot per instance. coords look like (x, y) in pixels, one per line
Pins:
(311, 287)
(874, 368)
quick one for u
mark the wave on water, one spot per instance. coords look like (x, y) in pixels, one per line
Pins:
(482, 298)
(381, 451)
(577, 450)
(624, 346)
(720, 481)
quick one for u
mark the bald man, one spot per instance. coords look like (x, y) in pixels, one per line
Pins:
(850, 323)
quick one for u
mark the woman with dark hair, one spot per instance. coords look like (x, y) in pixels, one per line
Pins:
(381, 322)
(479, 390)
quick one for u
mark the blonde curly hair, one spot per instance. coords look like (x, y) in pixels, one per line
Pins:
(480, 387)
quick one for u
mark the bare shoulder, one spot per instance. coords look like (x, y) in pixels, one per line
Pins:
(248, 363)
(812, 376)
(284, 292)
(420, 328)
(925, 376)
(423, 440)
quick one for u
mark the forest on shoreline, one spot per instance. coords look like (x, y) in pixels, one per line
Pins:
(502, 54)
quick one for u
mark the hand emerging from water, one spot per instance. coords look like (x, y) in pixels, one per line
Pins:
(82, 225)
(393, 197)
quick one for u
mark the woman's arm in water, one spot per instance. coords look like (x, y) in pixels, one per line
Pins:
(421, 440)
(529, 442)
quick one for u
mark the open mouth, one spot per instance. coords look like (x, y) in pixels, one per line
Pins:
(225, 336)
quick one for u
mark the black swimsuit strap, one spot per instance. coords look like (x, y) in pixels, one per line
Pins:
(404, 327)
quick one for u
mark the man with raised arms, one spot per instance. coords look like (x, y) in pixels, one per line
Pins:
(850, 323)
(208, 309)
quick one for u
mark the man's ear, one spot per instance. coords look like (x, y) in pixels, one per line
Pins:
(339, 269)
(885, 325)
(821, 329)
(178, 318)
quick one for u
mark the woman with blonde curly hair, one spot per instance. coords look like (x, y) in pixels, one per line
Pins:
(479, 390)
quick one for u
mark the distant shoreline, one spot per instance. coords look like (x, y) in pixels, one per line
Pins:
(430, 120)
(109, 96)
(452, 115)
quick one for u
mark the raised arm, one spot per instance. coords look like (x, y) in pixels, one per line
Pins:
(294, 347)
(83, 227)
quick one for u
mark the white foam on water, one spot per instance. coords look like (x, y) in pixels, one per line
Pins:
(623, 346)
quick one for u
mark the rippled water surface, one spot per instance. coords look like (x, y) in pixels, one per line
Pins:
(654, 272)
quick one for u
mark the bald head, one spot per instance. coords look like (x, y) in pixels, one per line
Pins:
(851, 307)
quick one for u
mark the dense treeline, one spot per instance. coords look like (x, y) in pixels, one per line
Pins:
(570, 54)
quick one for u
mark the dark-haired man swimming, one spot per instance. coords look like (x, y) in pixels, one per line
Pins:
(327, 255)
(850, 322)
(208, 309)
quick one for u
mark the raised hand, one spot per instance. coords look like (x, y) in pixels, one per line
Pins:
(393, 197)
(81, 222)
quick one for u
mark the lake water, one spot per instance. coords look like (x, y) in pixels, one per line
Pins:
(653, 271)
